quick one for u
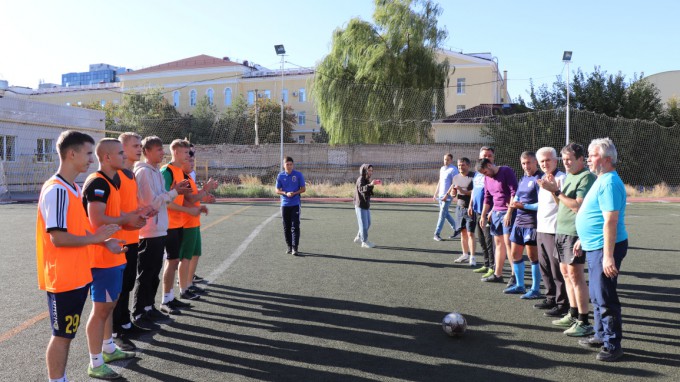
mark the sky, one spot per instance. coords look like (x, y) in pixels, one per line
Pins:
(42, 39)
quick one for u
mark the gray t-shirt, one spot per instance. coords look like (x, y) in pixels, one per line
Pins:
(466, 184)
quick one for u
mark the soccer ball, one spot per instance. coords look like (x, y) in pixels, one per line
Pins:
(454, 324)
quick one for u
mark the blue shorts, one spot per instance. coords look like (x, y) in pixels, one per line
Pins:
(107, 283)
(496, 226)
(65, 309)
(523, 236)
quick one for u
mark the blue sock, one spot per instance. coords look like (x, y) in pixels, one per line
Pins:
(535, 276)
(518, 266)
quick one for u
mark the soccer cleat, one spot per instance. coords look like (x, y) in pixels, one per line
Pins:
(357, 239)
(177, 304)
(557, 311)
(167, 309)
(367, 244)
(548, 303)
(488, 273)
(437, 238)
(517, 289)
(481, 270)
(463, 258)
(579, 329)
(493, 279)
(609, 355)
(102, 372)
(123, 342)
(118, 355)
(565, 322)
(531, 295)
(198, 279)
(197, 290)
(590, 342)
(189, 295)
(512, 282)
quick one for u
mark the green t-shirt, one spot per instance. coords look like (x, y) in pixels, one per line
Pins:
(575, 186)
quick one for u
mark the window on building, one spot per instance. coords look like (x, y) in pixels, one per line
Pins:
(80, 103)
(302, 118)
(251, 97)
(44, 150)
(7, 148)
(268, 94)
(460, 108)
(175, 98)
(227, 97)
(192, 97)
(302, 97)
(301, 139)
(284, 95)
(211, 96)
(460, 86)
(68, 104)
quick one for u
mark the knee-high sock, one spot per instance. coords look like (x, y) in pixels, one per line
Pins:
(535, 276)
(518, 266)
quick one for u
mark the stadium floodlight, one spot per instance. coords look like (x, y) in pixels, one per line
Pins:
(281, 51)
(566, 58)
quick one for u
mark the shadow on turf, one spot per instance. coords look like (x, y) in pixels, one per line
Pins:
(273, 336)
(384, 261)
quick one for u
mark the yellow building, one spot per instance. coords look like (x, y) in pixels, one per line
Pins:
(474, 79)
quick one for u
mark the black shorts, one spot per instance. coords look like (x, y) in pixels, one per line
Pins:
(565, 250)
(173, 243)
(65, 309)
(464, 221)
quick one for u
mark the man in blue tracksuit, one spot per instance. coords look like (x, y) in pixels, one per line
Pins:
(290, 184)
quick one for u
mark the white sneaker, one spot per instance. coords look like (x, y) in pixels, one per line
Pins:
(367, 244)
(357, 239)
(473, 261)
(463, 258)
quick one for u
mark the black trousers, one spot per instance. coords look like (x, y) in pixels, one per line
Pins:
(291, 225)
(149, 265)
(553, 280)
(121, 313)
(486, 242)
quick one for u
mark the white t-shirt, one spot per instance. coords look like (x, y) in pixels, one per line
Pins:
(547, 208)
(53, 205)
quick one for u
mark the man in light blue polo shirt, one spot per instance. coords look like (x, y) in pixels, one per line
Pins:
(603, 238)
(441, 196)
(290, 184)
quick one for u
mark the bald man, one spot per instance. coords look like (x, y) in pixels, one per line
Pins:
(101, 199)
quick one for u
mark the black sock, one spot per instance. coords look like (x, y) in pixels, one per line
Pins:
(583, 317)
(573, 312)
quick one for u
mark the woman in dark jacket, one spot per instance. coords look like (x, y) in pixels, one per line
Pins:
(362, 202)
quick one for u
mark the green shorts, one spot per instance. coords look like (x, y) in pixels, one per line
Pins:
(191, 243)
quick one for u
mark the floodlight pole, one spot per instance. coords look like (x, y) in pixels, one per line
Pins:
(566, 57)
(281, 51)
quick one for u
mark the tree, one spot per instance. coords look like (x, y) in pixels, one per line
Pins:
(148, 114)
(236, 125)
(203, 120)
(381, 82)
(321, 136)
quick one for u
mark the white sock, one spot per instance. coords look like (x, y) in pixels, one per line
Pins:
(167, 297)
(108, 346)
(96, 360)
(62, 379)
(126, 326)
(148, 308)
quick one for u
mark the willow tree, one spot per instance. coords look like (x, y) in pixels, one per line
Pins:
(381, 82)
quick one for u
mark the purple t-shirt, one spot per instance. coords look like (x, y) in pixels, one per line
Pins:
(499, 189)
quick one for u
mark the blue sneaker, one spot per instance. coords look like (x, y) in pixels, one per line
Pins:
(531, 295)
(517, 289)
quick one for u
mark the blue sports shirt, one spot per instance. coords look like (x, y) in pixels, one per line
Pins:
(290, 183)
(606, 194)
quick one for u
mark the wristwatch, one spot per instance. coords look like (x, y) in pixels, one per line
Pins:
(557, 193)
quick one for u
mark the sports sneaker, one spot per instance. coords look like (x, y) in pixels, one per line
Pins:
(493, 279)
(102, 372)
(367, 244)
(118, 355)
(516, 289)
(189, 295)
(548, 303)
(437, 238)
(156, 316)
(579, 329)
(590, 342)
(178, 304)
(123, 342)
(565, 322)
(456, 235)
(609, 355)
(481, 270)
(488, 273)
(557, 311)
(197, 290)
(473, 261)
(295, 252)
(289, 251)
(145, 324)
(463, 258)
(512, 282)
(167, 309)
(198, 279)
(531, 295)
(357, 239)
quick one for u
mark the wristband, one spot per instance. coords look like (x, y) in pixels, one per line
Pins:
(557, 193)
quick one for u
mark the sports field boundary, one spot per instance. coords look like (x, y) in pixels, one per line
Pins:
(407, 200)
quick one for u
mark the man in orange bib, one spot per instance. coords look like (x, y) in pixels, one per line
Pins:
(63, 244)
